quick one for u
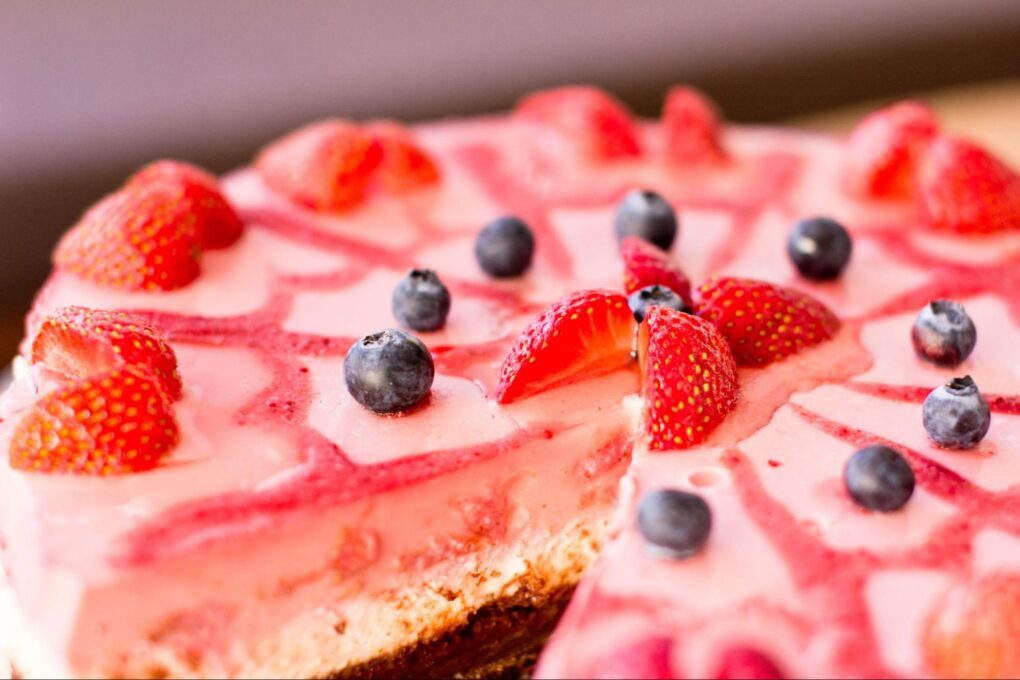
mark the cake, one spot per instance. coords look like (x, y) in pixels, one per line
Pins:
(311, 419)
(791, 576)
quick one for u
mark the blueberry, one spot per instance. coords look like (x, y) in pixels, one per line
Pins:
(640, 301)
(421, 301)
(956, 415)
(389, 371)
(943, 333)
(647, 215)
(504, 247)
(674, 523)
(819, 247)
(879, 478)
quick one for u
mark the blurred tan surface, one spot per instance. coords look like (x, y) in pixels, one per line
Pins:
(987, 113)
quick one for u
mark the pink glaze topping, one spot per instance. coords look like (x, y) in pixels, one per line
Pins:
(810, 583)
(270, 437)
(278, 468)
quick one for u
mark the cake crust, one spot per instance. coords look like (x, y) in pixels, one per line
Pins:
(501, 639)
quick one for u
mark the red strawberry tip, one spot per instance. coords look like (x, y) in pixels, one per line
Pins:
(587, 333)
(115, 422)
(645, 264)
(76, 342)
(761, 321)
(689, 378)
(219, 225)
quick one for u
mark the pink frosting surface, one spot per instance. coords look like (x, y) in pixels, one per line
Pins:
(279, 471)
(793, 569)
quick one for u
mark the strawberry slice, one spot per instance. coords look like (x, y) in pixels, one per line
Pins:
(140, 238)
(325, 166)
(114, 422)
(218, 223)
(76, 342)
(690, 378)
(690, 126)
(645, 264)
(586, 333)
(404, 165)
(764, 322)
(966, 190)
(596, 121)
(881, 153)
(974, 633)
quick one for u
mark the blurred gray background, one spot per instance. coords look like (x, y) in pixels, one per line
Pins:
(91, 90)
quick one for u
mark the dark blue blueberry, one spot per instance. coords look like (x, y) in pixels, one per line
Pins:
(421, 301)
(956, 415)
(647, 215)
(674, 523)
(943, 333)
(640, 301)
(879, 478)
(819, 247)
(504, 247)
(389, 371)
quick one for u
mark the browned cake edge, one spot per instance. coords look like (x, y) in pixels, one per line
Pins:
(447, 628)
(498, 640)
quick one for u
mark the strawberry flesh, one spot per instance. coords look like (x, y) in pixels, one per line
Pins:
(764, 322)
(404, 165)
(115, 422)
(587, 333)
(218, 223)
(974, 633)
(690, 378)
(325, 166)
(141, 238)
(881, 153)
(597, 122)
(966, 190)
(690, 125)
(645, 265)
(76, 342)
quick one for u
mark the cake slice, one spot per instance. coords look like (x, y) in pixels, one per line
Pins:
(194, 489)
(362, 408)
(856, 514)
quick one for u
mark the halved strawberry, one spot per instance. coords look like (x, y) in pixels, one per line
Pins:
(965, 189)
(599, 123)
(218, 224)
(324, 166)
(143, 237)
(761, 321)
(114, 422)
(404, 165)
(586, 333)
(77, 342)
(881, 153)
(975, 633)
(644, 264)
(690, 378)
(690, 125)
